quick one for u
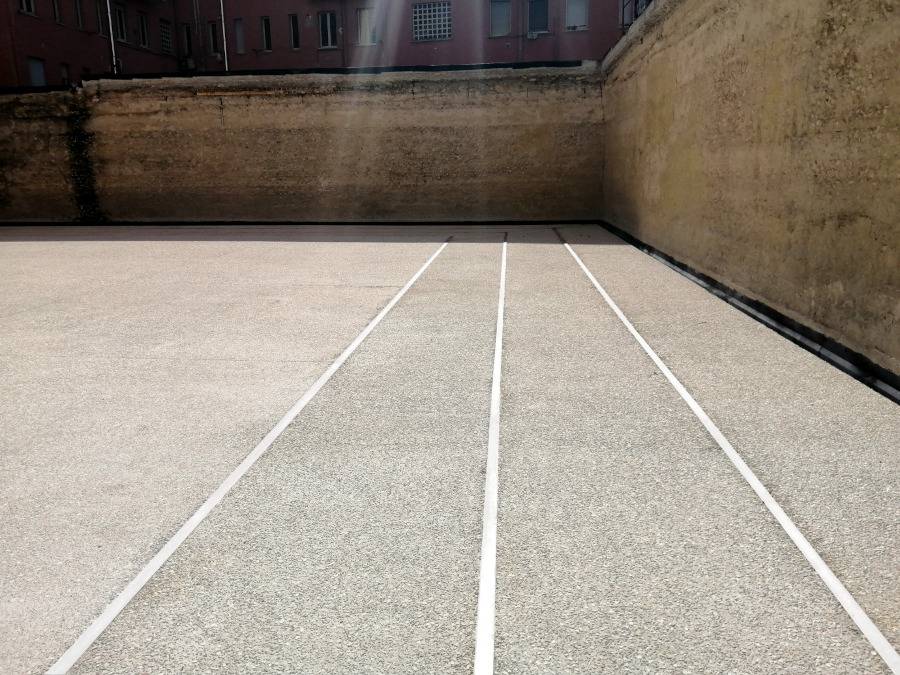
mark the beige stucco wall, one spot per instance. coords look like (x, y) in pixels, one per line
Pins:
(480, 145)
(759, 142)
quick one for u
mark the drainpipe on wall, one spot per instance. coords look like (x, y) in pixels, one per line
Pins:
(112, 40)
(224, 35)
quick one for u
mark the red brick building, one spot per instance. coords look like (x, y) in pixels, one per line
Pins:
(59, 41)
(56, 41)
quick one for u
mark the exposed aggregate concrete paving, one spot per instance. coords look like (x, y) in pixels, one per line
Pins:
(139, 366)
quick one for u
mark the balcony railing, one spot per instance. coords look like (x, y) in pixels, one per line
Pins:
(631, 10)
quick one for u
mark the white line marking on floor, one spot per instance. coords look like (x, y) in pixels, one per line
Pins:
(859, 616)
(484, 626)
(92, 632)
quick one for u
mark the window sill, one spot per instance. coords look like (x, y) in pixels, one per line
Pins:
(329, 49)
(577, 29)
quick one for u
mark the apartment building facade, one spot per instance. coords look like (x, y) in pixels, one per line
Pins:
(57, 41)
(54, 42)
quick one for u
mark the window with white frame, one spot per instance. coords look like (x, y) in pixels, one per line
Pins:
(143, 30)
(27, 6)
(432, 21)
(327, 29)
(501, 15)
(120, 25)
(538, 16)
(165, 36)
(365, 26)
(576, 14)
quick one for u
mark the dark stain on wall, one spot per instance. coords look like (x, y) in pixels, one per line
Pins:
(81, 166)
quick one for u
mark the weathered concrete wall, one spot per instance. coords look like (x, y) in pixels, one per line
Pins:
(479, 145)
(759, 142)
(35, 171)
(471, 145)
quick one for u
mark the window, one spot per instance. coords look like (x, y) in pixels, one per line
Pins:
(576, 14)
(102, 19)
(143, 30)
(327, 29)
(36, 72)
(295, 31)
(500, 18)
(632, 9)
(432, 21)
(365, 26)
(57, 15)
(213, 37)
(64, 73)
(165, 36)
(79, 14)
(187, 42)
(538, 16)
(239, 41)
(120, 25)
(27, 6)
(266, 31)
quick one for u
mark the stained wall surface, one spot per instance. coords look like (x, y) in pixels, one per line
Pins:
(475, 145)
(759, 142)
(35, 171)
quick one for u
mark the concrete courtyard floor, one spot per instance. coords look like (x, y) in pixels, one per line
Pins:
(140, 366)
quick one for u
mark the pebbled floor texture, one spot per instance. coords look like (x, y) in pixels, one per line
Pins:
(139, 365)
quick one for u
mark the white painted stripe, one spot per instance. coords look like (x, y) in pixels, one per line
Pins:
(859, 616)
(92, 632)
(484, 626)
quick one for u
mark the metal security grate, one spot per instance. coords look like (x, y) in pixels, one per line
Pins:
(165, 36)
(432, 21)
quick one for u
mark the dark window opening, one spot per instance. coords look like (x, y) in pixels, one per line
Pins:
(266, 34)
(538, 16)
(327, 29)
